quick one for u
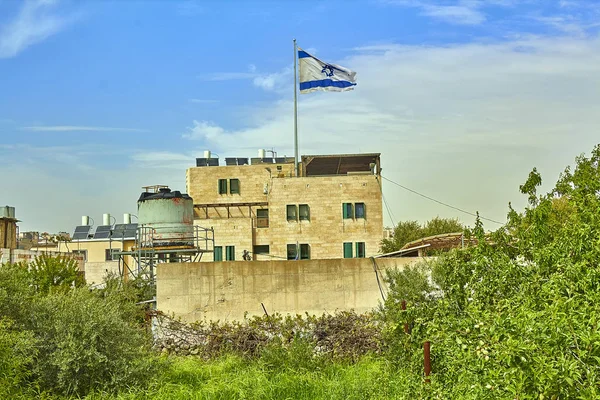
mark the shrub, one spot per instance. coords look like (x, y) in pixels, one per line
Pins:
(88, 343)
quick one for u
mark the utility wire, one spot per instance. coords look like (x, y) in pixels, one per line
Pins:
(441, 202)
(387, 207)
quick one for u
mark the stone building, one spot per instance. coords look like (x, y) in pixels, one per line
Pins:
(261, 210)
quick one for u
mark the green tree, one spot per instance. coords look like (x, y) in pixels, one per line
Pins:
(407, 231)
(54, 273)
(516, 316)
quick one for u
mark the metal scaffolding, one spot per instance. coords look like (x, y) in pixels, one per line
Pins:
(151, 249)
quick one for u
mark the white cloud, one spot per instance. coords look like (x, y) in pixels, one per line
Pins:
(34, 23)
(204, 130)
(462, 123)
(75, 128)
(459, 14)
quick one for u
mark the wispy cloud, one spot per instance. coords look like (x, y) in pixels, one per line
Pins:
(203, 101)
(35, 21)
(489, 105)
(75, 128)
(189, 8)
(458, 14)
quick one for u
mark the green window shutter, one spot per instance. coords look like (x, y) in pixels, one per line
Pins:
(304, 212)
(222, 186)
(218, 253)
(360, 249)
(292, 251)
(347, 210)
(234, 186)
(292, 213)
(230, 253)
(347, 250)
(304, 252)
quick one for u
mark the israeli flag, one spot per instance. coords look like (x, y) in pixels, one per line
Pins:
(318, 75)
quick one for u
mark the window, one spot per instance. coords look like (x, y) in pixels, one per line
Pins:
(304, 252)
(360, 249)
(262, 218)
(234, 186)
(347, 250)
(261, 249)
(111, 254)
(230, 253)
(82, 253)
(359, 210)
(347, 210)
(292, 251)
(292, 212)
(222, 186)
(218, 253)
(304, 212)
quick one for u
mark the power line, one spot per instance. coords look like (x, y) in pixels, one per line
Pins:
(441, 202)
(387, 206)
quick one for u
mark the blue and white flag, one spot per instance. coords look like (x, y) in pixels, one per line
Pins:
(318, 75)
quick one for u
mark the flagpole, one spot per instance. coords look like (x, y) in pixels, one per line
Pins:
(296, 109)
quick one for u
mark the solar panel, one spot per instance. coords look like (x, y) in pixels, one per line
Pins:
(200, 162)
(230, 161)
(242, 161)
(124, 231)
(81, 232)
(212, 162)
(102, 232)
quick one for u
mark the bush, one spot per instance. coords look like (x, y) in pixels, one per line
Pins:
(517, 315)
(87, 343)
(85, 340)
(17, 351)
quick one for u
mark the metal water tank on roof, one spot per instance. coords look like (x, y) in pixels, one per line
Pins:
(167, 218)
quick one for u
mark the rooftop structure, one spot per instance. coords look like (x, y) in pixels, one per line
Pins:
(260, 210)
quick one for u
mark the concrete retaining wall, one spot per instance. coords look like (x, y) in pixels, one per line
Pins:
(228, 290)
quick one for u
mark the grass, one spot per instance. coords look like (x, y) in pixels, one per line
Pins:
(232, 377)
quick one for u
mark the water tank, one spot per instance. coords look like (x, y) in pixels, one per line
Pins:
(261, 153)
(206, 154)
(7, 212)
(126, 218)
(85, 220)
(169, 216)
(106, 219)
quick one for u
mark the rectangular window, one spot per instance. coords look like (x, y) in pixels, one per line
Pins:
(81, 252)
(218, 253)
(262, 218)
(230, 253)
(304, 212)
(292, 251)
(359, 210)
(222, 186)
(360, 249)
(261, 249)
(292, 212)
(347, 211)
(304, 252)
(111, 254)
(234, 186)
(347, 250)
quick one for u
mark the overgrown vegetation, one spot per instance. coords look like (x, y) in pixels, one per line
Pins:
(63, 338)
(514, 316)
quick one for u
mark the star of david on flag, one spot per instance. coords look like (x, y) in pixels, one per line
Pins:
(318, 75)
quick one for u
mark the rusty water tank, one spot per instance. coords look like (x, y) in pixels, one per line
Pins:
(166, 218)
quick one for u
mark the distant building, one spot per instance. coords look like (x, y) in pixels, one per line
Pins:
(260, 210)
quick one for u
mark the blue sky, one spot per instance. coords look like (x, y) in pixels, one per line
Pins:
(462, 98)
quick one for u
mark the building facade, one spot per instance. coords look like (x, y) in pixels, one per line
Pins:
(262, 211)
